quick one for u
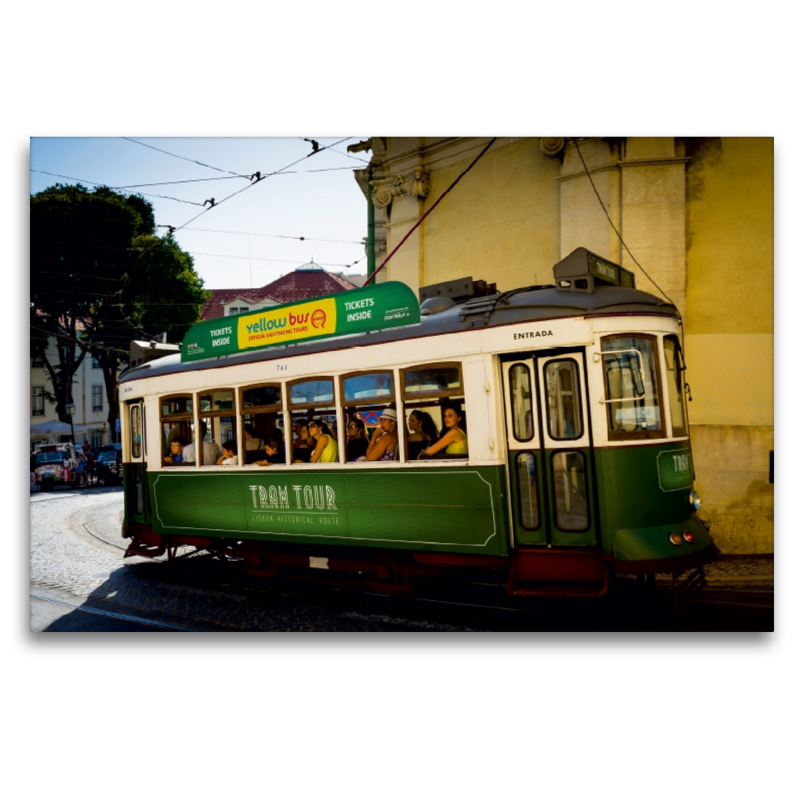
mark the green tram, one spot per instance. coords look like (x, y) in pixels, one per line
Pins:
(578, 463)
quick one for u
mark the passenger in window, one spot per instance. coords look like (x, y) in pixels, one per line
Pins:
(251, 441)
(228, 457)
(175, 451)
(272, 448)
(210, 449)
(422, 432)
(357, 441)
(454, 438)
(383, 445)
(303, 446)
(277, 435)
(326, 450)
(298, 426)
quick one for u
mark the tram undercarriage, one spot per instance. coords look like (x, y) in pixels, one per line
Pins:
(527, 572)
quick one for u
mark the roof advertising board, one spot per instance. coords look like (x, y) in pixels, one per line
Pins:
(387, 305)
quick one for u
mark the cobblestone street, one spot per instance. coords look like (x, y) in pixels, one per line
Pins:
(77, 557)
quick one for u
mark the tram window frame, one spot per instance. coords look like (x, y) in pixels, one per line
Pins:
(577, 399)
(325, 409)
(184, 420)
(274, 413)
(649, 433)
(376, 403)
(209, 415)
(680, 396)
(432, 401)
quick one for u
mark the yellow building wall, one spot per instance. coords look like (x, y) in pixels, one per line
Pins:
(500, 223)
(729, 335)
(696, 213)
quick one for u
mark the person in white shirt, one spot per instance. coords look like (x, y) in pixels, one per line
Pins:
(210, 449)
(228, 457)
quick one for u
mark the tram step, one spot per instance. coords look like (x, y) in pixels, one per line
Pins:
(557, 589)
(564, 573)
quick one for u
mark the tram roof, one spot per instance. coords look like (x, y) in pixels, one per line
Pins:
(440, 315)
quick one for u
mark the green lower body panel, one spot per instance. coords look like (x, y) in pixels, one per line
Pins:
(644, 496)
(453, 509)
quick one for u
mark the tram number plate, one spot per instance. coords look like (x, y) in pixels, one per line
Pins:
(317, 563)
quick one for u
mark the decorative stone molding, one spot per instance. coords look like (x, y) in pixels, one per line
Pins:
(552, 146)
(416, 184)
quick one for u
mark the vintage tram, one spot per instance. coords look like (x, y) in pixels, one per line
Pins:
(578, 464)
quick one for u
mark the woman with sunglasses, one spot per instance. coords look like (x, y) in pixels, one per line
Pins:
(356, 439)
(325, 450)
(383, 445)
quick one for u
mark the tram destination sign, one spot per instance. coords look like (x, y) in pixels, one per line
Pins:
(387, 305)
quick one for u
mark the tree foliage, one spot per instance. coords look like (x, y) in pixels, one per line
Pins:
(100, 277)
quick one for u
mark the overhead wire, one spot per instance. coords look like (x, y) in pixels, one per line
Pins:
(275, 236)
(119, 188)
(254, 179)
(441, 197)
(184, 158)
(619, 235)
(214, 204)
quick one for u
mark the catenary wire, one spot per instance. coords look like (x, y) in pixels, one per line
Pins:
(120, 188)
(184, 158)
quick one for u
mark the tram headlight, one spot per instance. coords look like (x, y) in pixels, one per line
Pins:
(694, 500)
(676, 539)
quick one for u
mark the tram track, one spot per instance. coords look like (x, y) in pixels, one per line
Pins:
(82, 521)
(114, 615)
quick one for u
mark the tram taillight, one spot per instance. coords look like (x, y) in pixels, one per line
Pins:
(676, 539)
(688, 537)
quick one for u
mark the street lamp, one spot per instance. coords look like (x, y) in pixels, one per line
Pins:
(71, 413)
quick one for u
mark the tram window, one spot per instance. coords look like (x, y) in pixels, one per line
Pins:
(442, 380)
(311, 392)
(365, 395)
(216, 411)
(172, 406)
(176, 423)
(428, 388)
(521, 403)
(674, 385)
(631, 384)
(260, 396)
(564, 418)
(527, 491)
(262, 419)
(570, 490)
(308, 399)
(136, 432)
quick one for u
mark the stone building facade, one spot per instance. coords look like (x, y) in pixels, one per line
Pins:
(695, 213)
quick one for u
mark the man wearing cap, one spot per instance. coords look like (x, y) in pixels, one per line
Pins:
(383, 444)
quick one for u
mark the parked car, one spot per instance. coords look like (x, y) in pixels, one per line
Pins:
(109, 464)
(55, 466)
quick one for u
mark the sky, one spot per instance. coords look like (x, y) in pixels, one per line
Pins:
(252, 237)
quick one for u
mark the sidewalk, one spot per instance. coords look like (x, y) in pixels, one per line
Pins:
(744, 572)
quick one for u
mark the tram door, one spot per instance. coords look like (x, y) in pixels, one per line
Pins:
(549, 449)
(135, 483)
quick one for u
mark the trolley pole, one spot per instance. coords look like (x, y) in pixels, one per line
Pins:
(370, 226)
